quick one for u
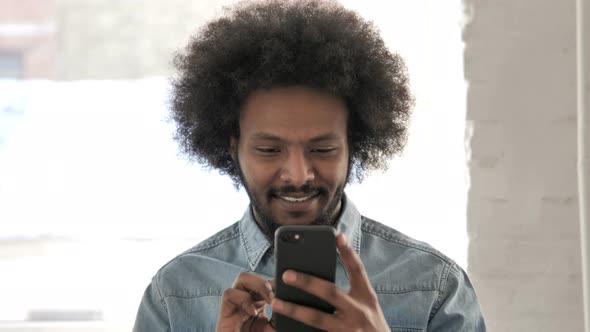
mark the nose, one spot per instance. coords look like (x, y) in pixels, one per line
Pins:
(297, 169)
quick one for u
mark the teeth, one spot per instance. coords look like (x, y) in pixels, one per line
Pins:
(296, 200)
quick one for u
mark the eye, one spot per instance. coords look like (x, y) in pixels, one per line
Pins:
(267, 150)
(323, 150)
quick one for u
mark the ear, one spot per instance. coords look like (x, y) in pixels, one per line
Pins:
(233, 148)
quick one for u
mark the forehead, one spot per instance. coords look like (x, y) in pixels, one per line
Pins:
(296, 113)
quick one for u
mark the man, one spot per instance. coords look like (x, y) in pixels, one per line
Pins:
(292, 100)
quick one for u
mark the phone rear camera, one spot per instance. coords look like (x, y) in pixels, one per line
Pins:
(291, 237)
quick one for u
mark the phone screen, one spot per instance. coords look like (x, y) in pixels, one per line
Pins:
(310, 249)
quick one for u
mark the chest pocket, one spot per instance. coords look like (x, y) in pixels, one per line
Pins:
(193, 314)
(407, 311)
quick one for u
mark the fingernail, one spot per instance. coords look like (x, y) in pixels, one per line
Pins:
(343, 240)
(289, 276)
(271, 295)
(268, 286)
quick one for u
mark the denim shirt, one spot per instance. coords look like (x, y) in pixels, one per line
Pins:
(419, 289)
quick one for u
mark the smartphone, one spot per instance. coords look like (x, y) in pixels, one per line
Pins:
(310, 249)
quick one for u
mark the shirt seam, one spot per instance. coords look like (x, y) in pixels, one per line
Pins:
(442, 287)
(403, 328)
(380, 291)
(192, 296)
(253, 255)
(216, 243)
(357, 236)
(251, 264)
(213, 244)
(159, 292)
(373, 230)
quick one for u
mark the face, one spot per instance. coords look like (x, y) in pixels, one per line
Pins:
(293, 156)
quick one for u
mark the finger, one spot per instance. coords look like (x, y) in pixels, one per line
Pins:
(258, 287)
(353, 265)
(260, 304)
(307, 315)
(321, 288)
(262, 325)
(257, 324)
(234, 300)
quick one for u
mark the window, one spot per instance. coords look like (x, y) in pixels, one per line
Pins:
(11, 65)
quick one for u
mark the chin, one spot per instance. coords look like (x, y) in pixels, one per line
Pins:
(296, 218)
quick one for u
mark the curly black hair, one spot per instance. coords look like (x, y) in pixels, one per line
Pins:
(280, 43)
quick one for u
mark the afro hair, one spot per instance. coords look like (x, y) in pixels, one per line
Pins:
(276, 43)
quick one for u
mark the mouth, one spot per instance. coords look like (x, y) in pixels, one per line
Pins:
(298, 198)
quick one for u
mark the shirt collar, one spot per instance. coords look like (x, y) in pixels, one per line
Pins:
(256, 244)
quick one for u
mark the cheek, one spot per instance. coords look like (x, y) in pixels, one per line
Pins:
(257, 175)
(334, 174)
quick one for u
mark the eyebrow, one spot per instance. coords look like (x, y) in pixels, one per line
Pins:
(270, 137)
(265, 136)
(325, 137)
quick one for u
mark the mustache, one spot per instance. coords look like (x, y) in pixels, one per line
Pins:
(305, 189)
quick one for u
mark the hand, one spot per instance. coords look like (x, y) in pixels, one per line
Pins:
(242, 306)
(357, 310)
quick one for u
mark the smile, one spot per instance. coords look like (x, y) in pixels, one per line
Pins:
(297, 199)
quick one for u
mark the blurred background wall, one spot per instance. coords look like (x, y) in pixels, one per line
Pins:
(28, 39)
(524, 252)
(133, 41)
(96, 39)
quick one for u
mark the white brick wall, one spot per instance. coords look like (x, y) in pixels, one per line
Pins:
(524, 254)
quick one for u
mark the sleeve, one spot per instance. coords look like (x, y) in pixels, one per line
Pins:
(457, 308)
(152, 314)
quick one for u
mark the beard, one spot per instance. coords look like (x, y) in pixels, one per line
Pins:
(268, 224)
